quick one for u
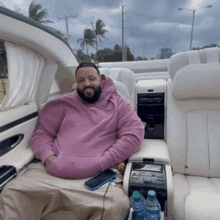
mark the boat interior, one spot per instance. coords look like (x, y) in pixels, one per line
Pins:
(178, 98)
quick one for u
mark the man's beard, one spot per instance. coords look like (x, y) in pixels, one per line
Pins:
(92, 99)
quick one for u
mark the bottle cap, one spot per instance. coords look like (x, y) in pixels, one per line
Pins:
(151, 194)
(136, 194)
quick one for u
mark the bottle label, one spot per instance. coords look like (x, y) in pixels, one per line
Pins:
(153, 214)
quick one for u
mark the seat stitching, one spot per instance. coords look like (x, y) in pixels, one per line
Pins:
(208, 140)
(186, 143)
(185, 165)
(187, 195)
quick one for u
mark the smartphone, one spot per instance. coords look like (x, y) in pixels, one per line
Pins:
(100, 179)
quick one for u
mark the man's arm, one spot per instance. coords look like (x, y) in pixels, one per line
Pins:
(130, 132)
(48, 125)
(122, 166)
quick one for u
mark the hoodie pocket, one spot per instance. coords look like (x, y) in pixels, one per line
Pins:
(85, 167)
(74, 167)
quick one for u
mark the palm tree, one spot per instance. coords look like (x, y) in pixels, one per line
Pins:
(99, 30)
(81, 57)
(88, 39)
(37, 13)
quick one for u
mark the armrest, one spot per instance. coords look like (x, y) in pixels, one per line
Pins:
(169, 182)
(152, 149)
(157, 150)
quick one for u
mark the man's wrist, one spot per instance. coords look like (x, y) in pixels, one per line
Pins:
(50, 160)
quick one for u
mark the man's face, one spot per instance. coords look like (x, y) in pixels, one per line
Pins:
(89, 86)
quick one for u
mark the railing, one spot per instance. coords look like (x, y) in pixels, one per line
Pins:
(3, 85)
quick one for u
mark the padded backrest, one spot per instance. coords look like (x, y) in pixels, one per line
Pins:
(193, 114)
(126, 77)
(179, 60)
(123, 91)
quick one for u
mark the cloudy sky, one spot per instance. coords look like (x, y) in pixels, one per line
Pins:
(149, 24)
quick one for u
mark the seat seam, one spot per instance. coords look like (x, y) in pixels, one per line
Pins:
(186, 144)
(186, 196)
(208, 141)
(185, 163)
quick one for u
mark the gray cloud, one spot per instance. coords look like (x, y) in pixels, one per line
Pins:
(158, 23)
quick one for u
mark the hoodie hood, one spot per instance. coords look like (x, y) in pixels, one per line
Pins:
(108, 88)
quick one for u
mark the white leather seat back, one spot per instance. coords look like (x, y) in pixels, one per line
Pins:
(126, 77)
(179, 60)
(193, 113)
(123, 91)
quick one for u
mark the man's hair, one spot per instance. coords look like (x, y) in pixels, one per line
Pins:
(87, 64)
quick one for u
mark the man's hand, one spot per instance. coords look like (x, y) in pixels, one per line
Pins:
(120, 167)
(145, 124)
(48, 162)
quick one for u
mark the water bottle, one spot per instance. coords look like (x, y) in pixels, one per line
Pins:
(138, 204)
(153, 207)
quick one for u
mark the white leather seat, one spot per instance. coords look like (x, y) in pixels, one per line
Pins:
(123, 90)
(126, 77)
(193, 133)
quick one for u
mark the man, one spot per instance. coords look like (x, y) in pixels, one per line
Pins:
(87, 93)
(77, 136)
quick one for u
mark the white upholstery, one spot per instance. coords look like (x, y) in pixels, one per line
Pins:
(193, 128)
(152, 148)
(125, 76)
(199, 80)
(123, 91)
(179, 60)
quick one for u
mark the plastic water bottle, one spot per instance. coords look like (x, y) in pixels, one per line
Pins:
(138, 204)
(153, 207)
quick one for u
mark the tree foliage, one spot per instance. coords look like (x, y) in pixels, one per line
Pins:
(87, 40)
(38, 14)
(207, 46)
(99, 31)
(113, 55)
(81, 57)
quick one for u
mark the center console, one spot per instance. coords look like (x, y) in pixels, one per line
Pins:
(148, 176)
(150, 167)
(150, 106)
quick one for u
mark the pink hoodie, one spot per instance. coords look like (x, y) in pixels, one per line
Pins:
(87, 138)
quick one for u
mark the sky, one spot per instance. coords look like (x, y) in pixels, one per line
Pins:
(148, 24)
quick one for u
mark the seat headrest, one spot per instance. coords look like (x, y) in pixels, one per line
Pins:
(123, 91)
(124, 76)
(179, 60)
(199, 80)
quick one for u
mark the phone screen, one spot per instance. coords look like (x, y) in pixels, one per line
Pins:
(100, 178)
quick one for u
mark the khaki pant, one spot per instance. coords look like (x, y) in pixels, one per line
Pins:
(37, 195)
